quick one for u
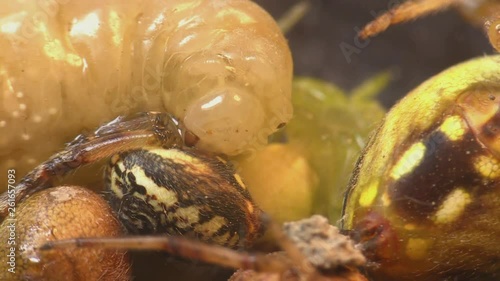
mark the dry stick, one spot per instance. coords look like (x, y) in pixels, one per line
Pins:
(296, 256)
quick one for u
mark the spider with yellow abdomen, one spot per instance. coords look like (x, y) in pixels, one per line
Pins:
(426, 184)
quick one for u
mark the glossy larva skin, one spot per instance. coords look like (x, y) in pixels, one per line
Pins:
(493, 30)
(424, 201)
(67, 66)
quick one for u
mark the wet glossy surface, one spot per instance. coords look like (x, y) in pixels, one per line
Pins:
(68, 66)
(424, 200)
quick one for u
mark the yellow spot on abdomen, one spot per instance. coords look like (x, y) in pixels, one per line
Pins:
(409, 161)
(452, 207)
(237, 177)
(185, 217)
(163, 195)
(190, 164)
(210, 227)
(416, 248)
(410, 226)
(221, 159)
(250, 207)
(487, 166)
(453, 128)
(368, 195)
(386, 199)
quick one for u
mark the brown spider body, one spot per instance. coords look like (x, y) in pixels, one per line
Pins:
(155, 190)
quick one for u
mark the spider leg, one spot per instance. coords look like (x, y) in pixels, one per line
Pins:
(196, 250)
(121, 134)
(182, 247)
(407, 11)
(313, 250)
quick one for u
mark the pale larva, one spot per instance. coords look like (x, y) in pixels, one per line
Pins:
(66, 66)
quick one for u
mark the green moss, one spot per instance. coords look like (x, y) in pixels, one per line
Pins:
(331, 127)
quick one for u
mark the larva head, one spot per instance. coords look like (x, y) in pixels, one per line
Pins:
(227, 73)
(424, 201)
(230, 121)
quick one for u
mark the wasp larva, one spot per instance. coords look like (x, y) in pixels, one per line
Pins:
(222, 67)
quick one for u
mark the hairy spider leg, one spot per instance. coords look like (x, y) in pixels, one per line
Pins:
(296, 263)
(404, 12)
(121, 134)
(178, 246)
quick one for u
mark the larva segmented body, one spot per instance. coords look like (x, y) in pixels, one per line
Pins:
(222, 67)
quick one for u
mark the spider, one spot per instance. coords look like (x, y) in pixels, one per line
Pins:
(370, 229)
(377, 217)
(158, 190)
(424, 197)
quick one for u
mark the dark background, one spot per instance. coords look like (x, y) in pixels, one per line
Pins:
(413, 51)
